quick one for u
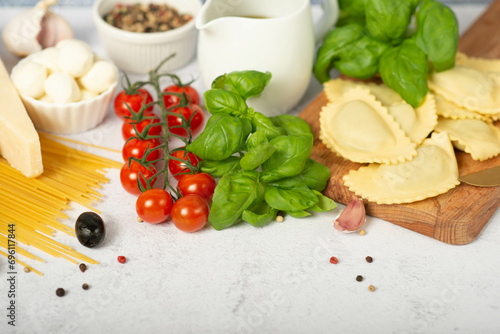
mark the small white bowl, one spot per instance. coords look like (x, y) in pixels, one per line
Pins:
(68, 118)
(140, 52)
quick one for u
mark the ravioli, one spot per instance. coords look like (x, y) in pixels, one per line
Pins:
(447, 109)
(360, 129)
(480, 64)
(478, 138)
(469, 88)
(432, 172)
(416, 123)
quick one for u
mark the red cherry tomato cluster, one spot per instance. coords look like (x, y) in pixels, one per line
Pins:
(190, 211)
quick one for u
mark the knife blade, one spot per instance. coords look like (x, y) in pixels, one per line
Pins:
(489, 177)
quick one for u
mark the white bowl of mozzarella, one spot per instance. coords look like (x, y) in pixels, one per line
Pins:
(66, 89)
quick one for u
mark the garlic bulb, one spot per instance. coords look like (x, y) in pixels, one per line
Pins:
(35, 29)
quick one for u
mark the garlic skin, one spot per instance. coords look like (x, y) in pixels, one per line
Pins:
(352, 218)
(34, 29)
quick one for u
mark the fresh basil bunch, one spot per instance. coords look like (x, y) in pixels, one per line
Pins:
(377, 37)
(263, 162)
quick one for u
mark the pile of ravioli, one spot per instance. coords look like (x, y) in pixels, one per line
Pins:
(409, 150)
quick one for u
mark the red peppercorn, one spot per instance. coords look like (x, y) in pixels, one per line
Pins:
(334, 260)
(122, 259)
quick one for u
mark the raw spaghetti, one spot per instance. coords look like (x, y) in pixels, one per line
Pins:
(36, 205)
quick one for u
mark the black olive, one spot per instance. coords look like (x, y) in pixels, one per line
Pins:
(89, 229)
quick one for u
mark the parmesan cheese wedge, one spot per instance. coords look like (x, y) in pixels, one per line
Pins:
(19, 142)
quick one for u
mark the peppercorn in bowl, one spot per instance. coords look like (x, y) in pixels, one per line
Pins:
(138, 34)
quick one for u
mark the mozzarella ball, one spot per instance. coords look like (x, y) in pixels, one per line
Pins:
(100, 76)
(87, 95)
(29, 78)
(75, 58)
(46, 98)
(62, 88)
(47, 57)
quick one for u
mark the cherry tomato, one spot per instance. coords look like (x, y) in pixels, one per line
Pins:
(201, 184)
(136, 148)
(154, 206)
(196, 120)
(129, 176)
(172, 100)
(190, 213)
(179, 168)
(134, 101)
(128, 127)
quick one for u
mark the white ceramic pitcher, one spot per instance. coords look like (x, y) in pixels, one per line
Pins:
(264, 35)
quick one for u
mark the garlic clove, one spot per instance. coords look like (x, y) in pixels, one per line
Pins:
(352, 218)
(34, 29)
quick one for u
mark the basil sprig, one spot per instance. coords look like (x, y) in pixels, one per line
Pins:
(378, 37)
(263, 163)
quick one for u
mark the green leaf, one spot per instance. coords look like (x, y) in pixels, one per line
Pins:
(264, 124)
(244, 83)
(256, 156)
(222, 137)
(404, 69)
(315, 175)
(333, 44)
(388, 20)
(324, 203)
(290, 194)
(221, 101)
(298, 213)
(292, 125)
(260, 215)
(236, 191)
(289, 159)
(437, 34)
(220, 168)
(353, 7)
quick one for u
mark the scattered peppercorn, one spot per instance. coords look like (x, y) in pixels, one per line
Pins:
(362, 232)
(371, 288)
(139, 220)
(369, 259)
(85, 286)
(334, 260)
(122, 259)
(27, 269)
(359, 278)
(60, 292)
(83, 267)
(279, 219)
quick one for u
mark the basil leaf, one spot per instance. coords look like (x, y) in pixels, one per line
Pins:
(292, 125)
(404, 69)
(387, 20)
(315, 175)
(222, 137)
(289, 159)
(290, 194)
(324, 203)
(361, 58)
(221, 101)
(264, 124)
(353, 7)
(220, 168)
(244, 83)
(437, 34)
(256, 156)
(334, 42)
(235, 192)
(256, 139)
(260, 215)
(298, 213)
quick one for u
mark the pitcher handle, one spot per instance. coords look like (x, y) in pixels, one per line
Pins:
(327, 20)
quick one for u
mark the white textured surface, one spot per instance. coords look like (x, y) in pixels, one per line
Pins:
(276, 279)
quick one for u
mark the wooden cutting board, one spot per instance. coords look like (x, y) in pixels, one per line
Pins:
(455, 217)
